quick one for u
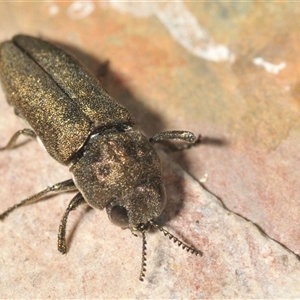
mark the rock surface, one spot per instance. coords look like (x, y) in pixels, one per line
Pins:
(229, 71)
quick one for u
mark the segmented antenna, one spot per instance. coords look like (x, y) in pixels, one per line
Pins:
(176, 240)
(144, 253)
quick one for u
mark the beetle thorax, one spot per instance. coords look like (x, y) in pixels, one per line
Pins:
(122, 172)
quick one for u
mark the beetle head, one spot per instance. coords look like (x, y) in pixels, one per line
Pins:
(135, 209)
(121, 172)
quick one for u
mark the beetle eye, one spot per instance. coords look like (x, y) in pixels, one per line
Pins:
(118, 215)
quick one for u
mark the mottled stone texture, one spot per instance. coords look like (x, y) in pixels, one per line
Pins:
(229, 71)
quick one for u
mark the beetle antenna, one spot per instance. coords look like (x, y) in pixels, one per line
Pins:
(176, 240)
(144, 253)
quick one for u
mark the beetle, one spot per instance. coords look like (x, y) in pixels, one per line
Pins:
(113, 166)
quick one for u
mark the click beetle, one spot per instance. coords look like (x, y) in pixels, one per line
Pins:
(113, 166)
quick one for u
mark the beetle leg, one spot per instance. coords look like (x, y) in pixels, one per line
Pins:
(60, 187)
(74, 203)
(12, 141)
(165, 137)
